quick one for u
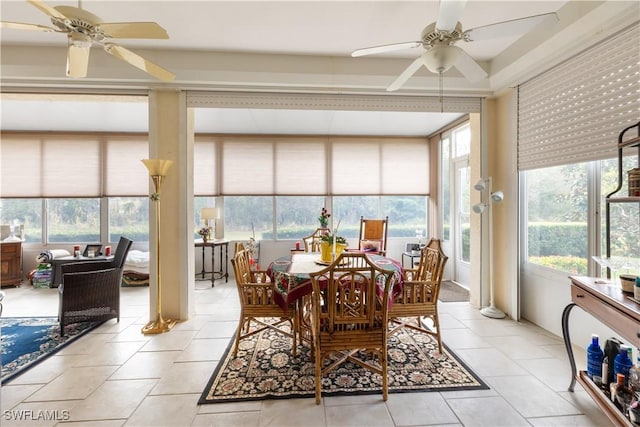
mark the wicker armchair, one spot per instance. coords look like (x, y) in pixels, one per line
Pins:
(420, 289)
(257, 302)
(350, 303)
(90, 291)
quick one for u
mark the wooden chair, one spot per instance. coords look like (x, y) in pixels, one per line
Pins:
(373, 235)
(257, 302)
(420, 289)
(348, 315)
(90, 291)
(312, 241)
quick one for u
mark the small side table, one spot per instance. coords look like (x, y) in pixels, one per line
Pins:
(411, 255)
(222, 246)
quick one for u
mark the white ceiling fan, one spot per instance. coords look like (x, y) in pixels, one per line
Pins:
(84, 30)
(439, 42)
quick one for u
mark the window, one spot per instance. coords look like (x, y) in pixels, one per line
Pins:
(129, 216)
(297, 216)
(25, 211)
(73, 220)
(248, 216)
(445, 187)
(557, 209)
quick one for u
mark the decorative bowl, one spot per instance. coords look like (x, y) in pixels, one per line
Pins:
(627, 282)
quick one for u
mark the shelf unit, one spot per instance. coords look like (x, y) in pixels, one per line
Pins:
(624, 142)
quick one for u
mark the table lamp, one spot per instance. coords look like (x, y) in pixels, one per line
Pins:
(209, 216)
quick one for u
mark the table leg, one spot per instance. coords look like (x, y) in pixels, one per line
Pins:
(225, 267)
(203, 269)
(567, 343)
(213, 266)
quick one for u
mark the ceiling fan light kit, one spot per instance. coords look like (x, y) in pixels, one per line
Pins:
(438, 39)
(84, 29)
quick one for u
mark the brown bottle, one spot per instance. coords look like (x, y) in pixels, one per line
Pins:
(620, 395)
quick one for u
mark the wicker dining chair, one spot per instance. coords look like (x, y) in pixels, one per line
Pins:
(373, 235)
(420, 290)
(349, 314)
(312, 241)
(257, 303)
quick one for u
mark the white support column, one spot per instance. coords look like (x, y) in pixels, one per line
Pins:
(171, 138)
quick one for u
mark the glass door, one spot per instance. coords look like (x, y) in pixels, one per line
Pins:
(461, 223)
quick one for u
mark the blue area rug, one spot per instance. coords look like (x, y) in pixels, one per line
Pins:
(26, 341)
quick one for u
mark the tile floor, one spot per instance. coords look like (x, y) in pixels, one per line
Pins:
(115, 376)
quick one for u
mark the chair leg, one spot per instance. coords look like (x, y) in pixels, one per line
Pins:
(385, 380)
(318, 366)
(238, 334)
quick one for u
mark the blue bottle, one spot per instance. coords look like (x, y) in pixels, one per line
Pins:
(594, 359)
(622, 363)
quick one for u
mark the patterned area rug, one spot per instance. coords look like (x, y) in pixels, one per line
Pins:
(27, 341)
(266, 369)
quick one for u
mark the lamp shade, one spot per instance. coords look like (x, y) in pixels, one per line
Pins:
(209, 213)
(497, 196)
(479, 208)
(440, 58)
(480, 185)
(157, 167)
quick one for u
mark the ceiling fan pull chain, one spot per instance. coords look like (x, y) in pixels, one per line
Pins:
(441, 84)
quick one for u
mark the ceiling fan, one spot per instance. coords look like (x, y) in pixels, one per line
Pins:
(439, 42)
(84, 30)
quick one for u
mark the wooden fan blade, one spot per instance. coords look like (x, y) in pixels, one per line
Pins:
(139, 62)
(469, 68)
(133, 30)
(77, 60)
(385, 48)
(406, 74)
(47, 9)
(21, 26)
(514, 27)
(449, 14)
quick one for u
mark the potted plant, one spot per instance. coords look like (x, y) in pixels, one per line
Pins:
(327, 245)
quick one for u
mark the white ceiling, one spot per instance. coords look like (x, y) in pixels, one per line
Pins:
(296, 46)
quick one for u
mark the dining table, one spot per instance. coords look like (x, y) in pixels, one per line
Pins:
(292, 281)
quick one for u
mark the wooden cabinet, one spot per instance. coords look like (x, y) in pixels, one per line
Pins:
(10, 263)
(613, 308)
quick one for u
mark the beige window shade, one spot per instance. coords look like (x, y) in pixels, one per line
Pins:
(247, 168)
(58, 165)
(301, 167)
(125, 174)
(388, 166)
(205, 179)
(574, 112)
(21, 173)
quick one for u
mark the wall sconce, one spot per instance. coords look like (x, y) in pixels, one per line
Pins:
(479, 208)
(157, 171)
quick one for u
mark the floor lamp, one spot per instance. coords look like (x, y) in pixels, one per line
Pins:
(493, 197)
(158, 170)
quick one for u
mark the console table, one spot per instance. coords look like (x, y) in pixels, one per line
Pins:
(10, 263)
(222, 246)
(607, 303)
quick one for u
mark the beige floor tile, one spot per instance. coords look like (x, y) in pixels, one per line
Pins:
(47, 370)
(161, 411)
(218, 329)
(370, 415)
(486, 411)
(185, 377)
(110, 353)
(148, 364)
(411, 409)
(175, 340)
(486, 327)
(292, 413)
(518, 347)
(39, 414)
(249, 406)
(95, 423)
(204, 349)
(113, 399)
(229, 419)
(490, 362)
(531, 397)
(463, 338)
(11, 395)
(74, 383)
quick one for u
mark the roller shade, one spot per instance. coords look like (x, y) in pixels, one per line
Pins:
(574, 112)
